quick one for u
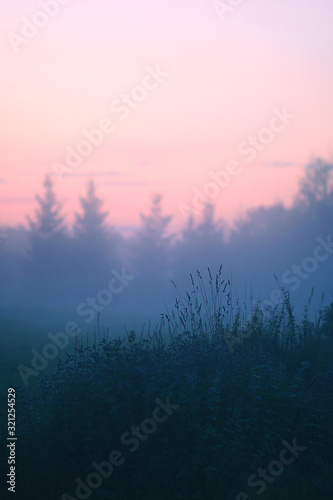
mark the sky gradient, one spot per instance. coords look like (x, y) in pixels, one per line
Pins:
(226, 76)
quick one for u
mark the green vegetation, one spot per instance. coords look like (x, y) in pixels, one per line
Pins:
(242, 385)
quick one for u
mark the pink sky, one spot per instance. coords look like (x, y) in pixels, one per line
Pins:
(226, 76)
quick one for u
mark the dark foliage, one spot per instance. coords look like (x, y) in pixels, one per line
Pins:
(242, 386)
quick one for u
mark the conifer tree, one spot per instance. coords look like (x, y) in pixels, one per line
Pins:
(90, 224)
(152, 244)
(154, 225)
(48, 221)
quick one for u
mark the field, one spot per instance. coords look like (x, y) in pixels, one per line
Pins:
(206, 405)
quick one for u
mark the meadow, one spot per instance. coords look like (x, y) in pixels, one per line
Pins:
(202, 406)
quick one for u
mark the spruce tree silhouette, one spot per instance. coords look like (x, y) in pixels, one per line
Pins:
(154, 225)
(150, 257)
(46, 264)
(209, 227)
(151, 247)
(96, 244)
(202, 243)
(48, 223)
(90, 225)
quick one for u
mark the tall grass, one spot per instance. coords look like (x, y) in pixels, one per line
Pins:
(244, 384)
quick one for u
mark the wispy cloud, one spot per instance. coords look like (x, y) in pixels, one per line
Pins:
(90, 174)
(274, 164)
(126, 183)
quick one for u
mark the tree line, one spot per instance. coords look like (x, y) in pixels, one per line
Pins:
(56, 267)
